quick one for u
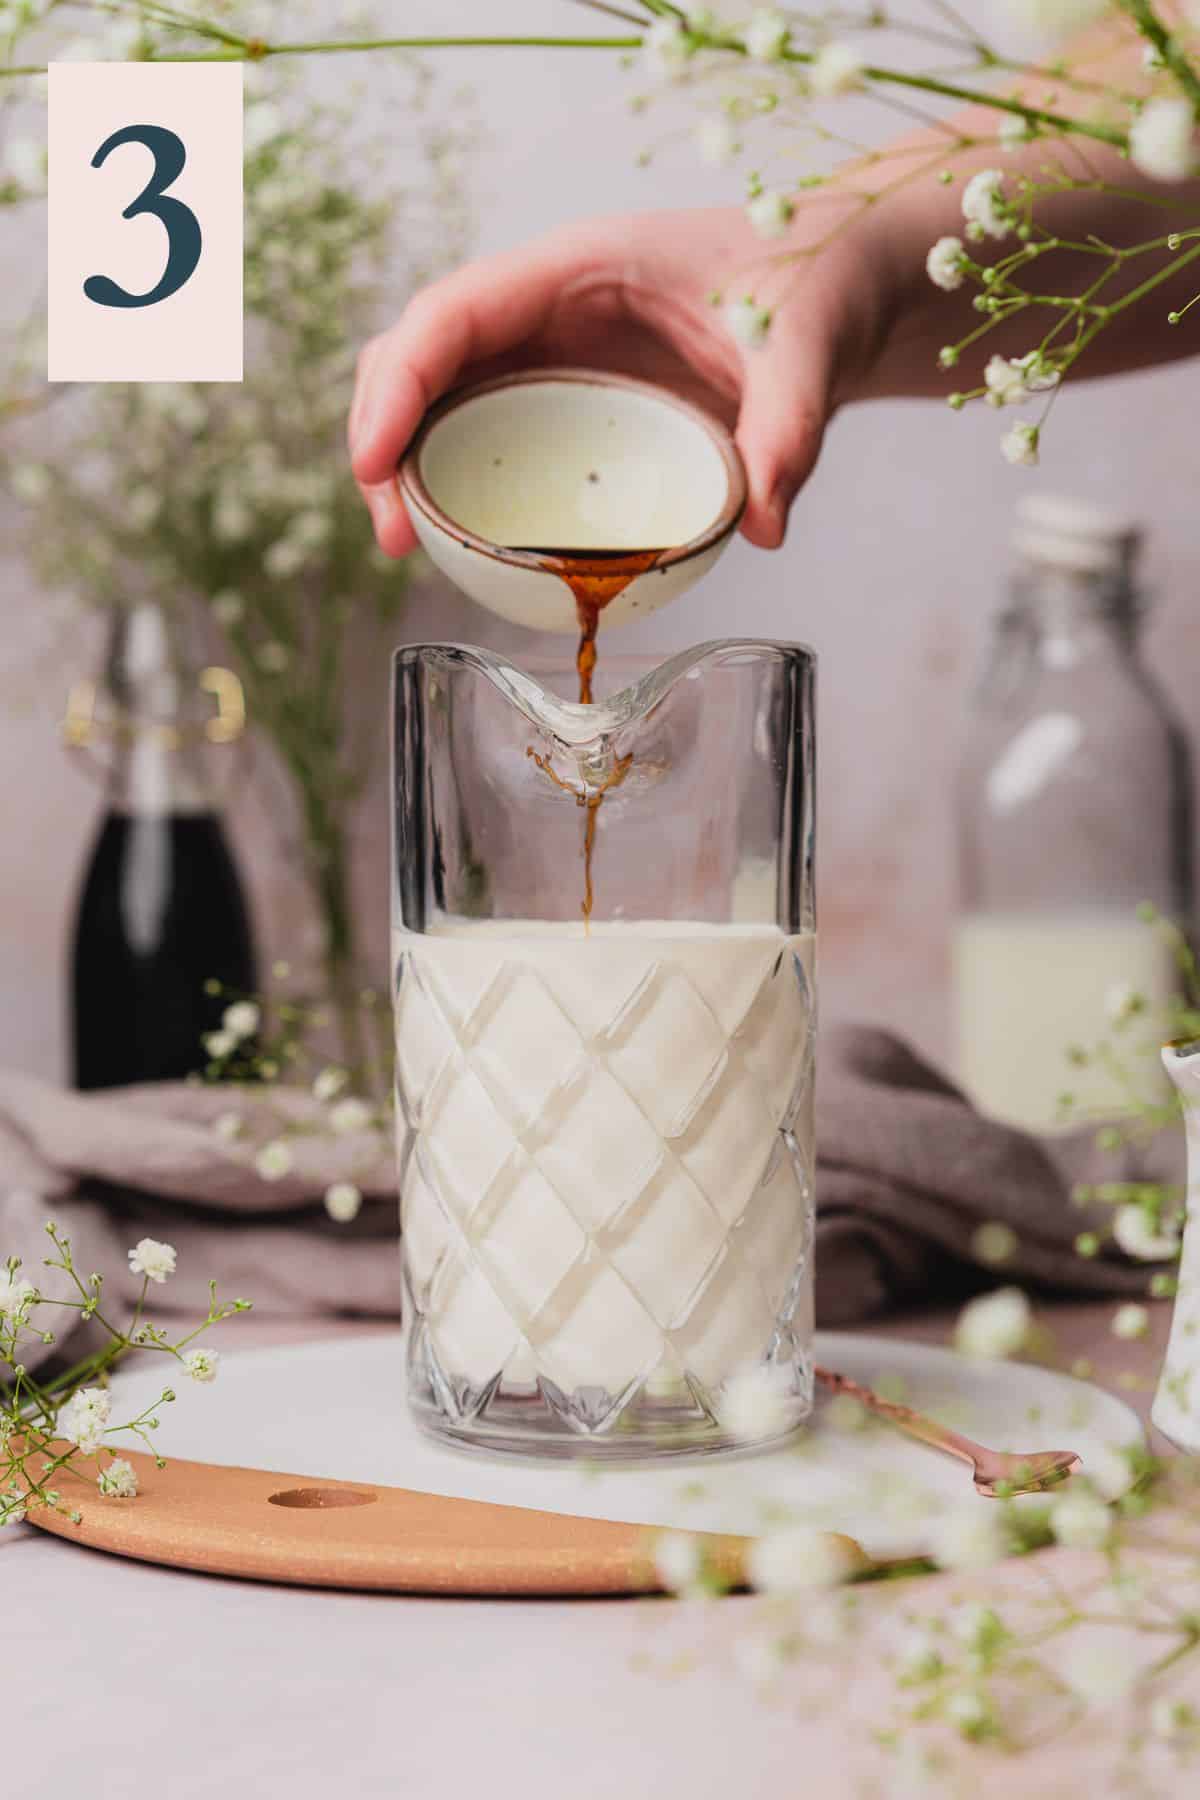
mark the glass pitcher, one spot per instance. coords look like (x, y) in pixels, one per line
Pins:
(603, 952)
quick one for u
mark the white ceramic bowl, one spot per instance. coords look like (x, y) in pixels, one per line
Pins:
(502, 475)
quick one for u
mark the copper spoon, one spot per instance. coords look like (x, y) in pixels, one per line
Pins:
(998, 1473)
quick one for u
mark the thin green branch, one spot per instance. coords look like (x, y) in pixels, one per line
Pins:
(1172, 57)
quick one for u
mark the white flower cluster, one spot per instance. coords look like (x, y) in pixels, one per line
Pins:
(797, 1558)
(994, 1325)
(770, 213)
(765, 38)
(119, 1480)
(82, 1421)
(238, 1022)
(202, 1365)
(757, 1403)
(1011, 380)
(16, 1297)
(748, 322)
(1019, 445)
(984, 207)
(343, 1201)
(835, 69)
(153, 1260)
(944, 264)
(1162, 140)
(1141, 1235)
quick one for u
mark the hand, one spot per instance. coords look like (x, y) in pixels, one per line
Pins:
(632, 294)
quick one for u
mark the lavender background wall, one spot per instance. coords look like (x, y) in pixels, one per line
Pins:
(896, 554)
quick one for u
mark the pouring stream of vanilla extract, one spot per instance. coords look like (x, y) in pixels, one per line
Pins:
(595, 577)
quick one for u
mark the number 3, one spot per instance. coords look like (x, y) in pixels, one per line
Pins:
(180, 222)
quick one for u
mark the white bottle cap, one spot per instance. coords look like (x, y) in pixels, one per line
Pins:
(1075, 535)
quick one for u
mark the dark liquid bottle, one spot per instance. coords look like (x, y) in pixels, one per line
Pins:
(162, 913)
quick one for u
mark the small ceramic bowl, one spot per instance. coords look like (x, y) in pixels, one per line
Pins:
(512, 473)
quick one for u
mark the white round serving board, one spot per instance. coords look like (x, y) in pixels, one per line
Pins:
(336, 1410)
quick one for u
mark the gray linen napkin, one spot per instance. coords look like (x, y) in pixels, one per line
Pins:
(907, 1172)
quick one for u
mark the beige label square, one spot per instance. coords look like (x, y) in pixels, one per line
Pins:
(96, 255)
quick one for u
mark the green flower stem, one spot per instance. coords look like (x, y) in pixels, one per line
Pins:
(952, 90)
(1138, 293)
(253, 49)
(1155, 32)
(256, 50)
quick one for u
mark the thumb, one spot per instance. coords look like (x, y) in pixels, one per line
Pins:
(781, 424)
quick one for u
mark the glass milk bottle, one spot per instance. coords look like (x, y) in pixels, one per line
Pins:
(603, 953)
(1074, 807)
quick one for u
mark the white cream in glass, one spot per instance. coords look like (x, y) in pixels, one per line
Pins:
(607, 1161)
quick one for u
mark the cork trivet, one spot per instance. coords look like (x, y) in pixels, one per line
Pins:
(312, 1532)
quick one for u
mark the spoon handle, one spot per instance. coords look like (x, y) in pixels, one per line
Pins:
(940, 1437)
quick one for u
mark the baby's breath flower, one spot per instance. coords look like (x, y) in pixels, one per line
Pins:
(995, 1324)
(798, 1557)
(30, 483)
(241, 1019)
(1122, 1001)
(202, 1365)
(748, 322)
(984, 205)
(343, 1201)
(228, 608)
(944, 264)
(1140, 1235)
(329, 1082)
(677, 1561)
(153, 1260)
(836, 69)
(1110, 1472)
(227, 1126)
(271, 657)
(16, 1293)
(919, 1658)
(969, 1537)
(666, 47)
(119, 1481)
(219, 1044)
(83, 1419)
(274, 1160)
(25, 161)
(766, 36)
(12, 1506)
(770, 213)
(969, 1712)
(1162, 140)
(717, 141)
(1037, 372)
(979, 1628)
(1130, 1321)
(350, 1115)
(756, 1404)
(1004, 380)
(1019, 445)
(1173, 1720)
(1014, 130)
(994, 1242)
(1081, 1520)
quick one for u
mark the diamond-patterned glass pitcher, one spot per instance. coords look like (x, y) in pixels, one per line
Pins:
(603, 947)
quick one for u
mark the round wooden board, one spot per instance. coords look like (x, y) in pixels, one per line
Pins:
(315, 1533)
